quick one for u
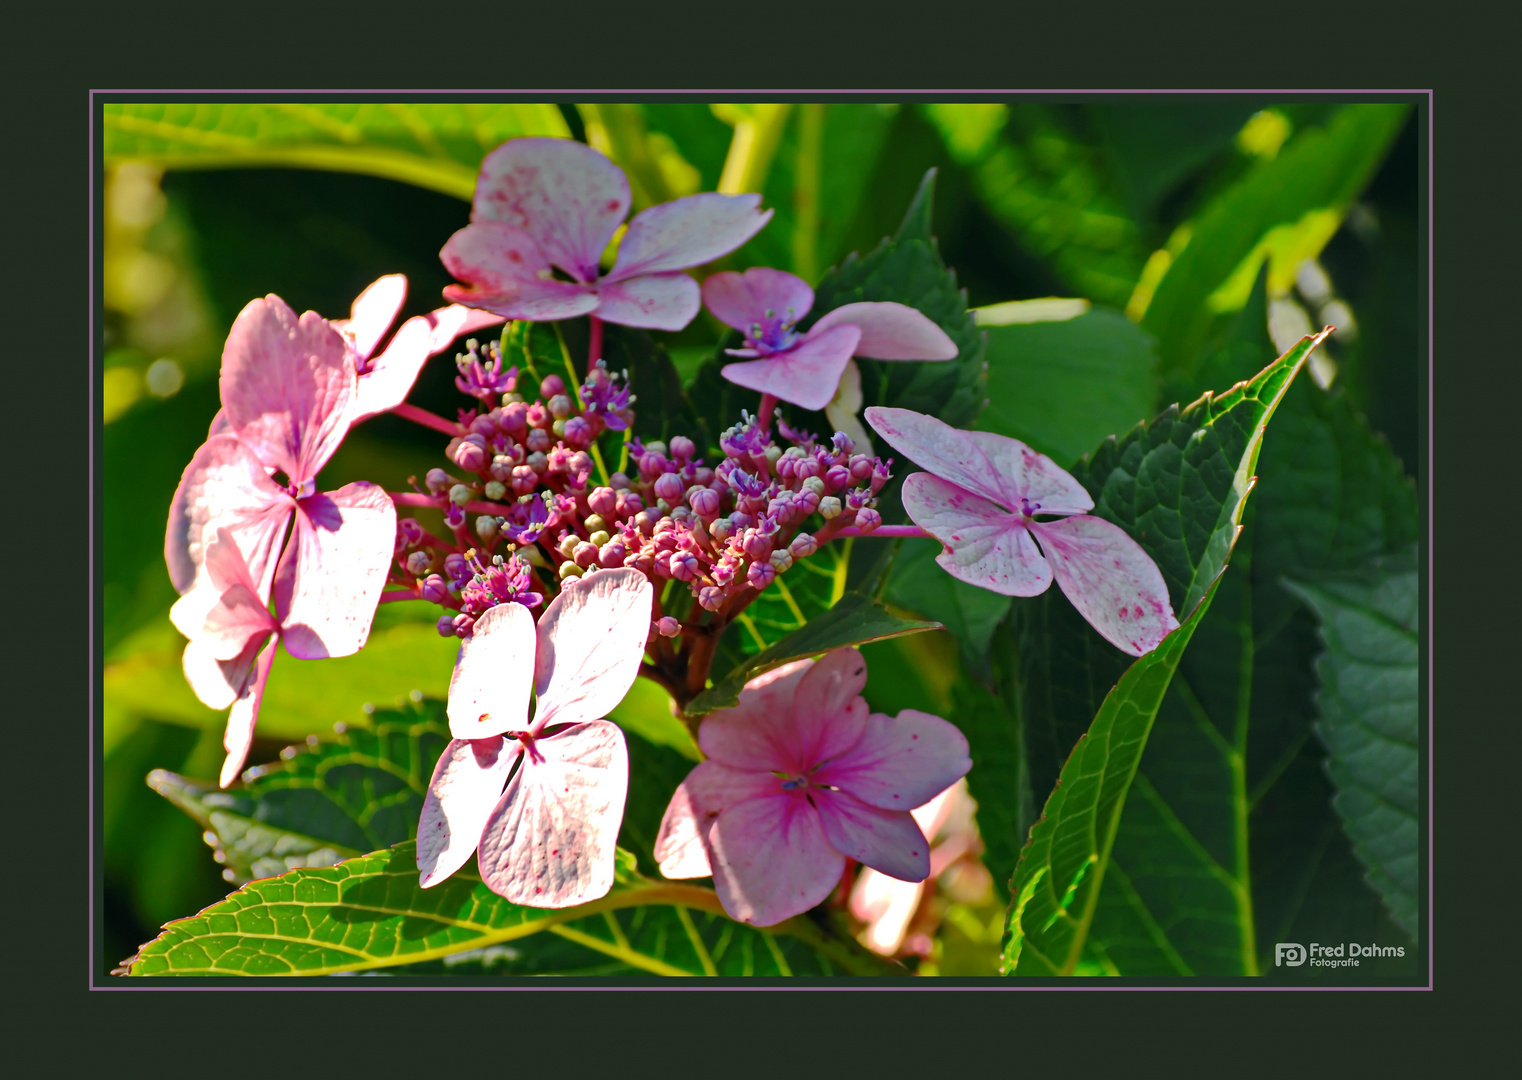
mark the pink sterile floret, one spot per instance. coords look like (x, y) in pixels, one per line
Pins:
(980, 497)
(800, 776)
(548, 839)
(386, 379)
(766, 306)
(288, 397)
(543, 205)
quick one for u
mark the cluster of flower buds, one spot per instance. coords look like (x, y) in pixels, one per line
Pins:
(525, 470)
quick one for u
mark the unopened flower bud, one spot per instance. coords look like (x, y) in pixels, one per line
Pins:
(829, 507)
(578, 432)
(645, 520)
(418, 562)
(446, 626)
(456, 567)
(487, 526)
(704, 501)
(761, 574)
(803, 546)
(524, 479)
(514, 419)
(560, 406)
(656, 447)
(611, 554)
(682, 448)
(595, 522)
(861, 467)
(773, 452)
(757, 545)
(629, 504)
(495, 490)
(808, 466)
(668, 486)
(410, 531)
(557, 429)
(668, 627)
(461, 494)
(618, 480)
(433, 589)
(538, 441)
(471, 454)
(537, 461)
(485, 426)
(807, 501)
(684, 566)
(438, 480)
(463, 625)
(603, 501)
(600, 537)
(568, 545)
(569, 570)
(552, 385)
(837, 477)
(584, 553)
(581, 463)
(710, 598)
(868, 519)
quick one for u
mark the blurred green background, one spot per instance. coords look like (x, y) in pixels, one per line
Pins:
(207, 207)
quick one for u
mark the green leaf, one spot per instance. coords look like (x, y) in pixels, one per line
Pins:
(1178, 487)
(303, 695)
(1061, 387)
(1368, 707)
(916, 583)
(322, 802)
(1057, 882)
(1321, 170)
(433, 145)
(855, 620)
(369, 913)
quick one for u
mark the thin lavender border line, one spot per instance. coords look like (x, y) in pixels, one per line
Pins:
(1431, 702)
(927, 986)
(90, 442)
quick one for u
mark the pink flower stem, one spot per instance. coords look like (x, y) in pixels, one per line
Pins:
(427, 419)
(406, 594)
(884, 530)
(438, 502)
(594, 347)
(764, 417)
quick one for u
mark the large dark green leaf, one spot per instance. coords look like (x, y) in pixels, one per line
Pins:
(1178, 487)
(369, 913)
(855, 620)
(433, 145)
(323, 802)
(917, 583)
(1368, 707)
(1321, 170)
(1064, 386)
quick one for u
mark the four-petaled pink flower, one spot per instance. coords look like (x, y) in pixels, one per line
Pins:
(288, 398)
(800, 776)
(548, 839)
(544, 205)
(989, 499)
(805, 369)
(385, 380)
(220, 659)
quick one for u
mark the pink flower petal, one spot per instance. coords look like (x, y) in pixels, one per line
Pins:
(225, 486)
(771, 860)
(890, 332)
(467, 783)
(888, 841)
(372, 313)
(757, 733)
(591, 641)
(829, 713)
(742, 300)
(236, 616)
(709, 790)
(569, 198)
(330, 578)
(653, 301)
(886, 905)
(1023, 474)
(549, 842)
(239, 735)
(217, 683)
(493, 673)
(806, 374)
(942, 450)
(1112, 582)
(985, 546)
(505, 272)
(287, 387)
(685, 232)
(390, 376)
(900, 762)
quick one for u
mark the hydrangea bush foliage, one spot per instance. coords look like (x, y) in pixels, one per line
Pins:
(739, 546)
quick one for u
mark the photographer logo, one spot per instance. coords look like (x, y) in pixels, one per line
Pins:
(1288, 954)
